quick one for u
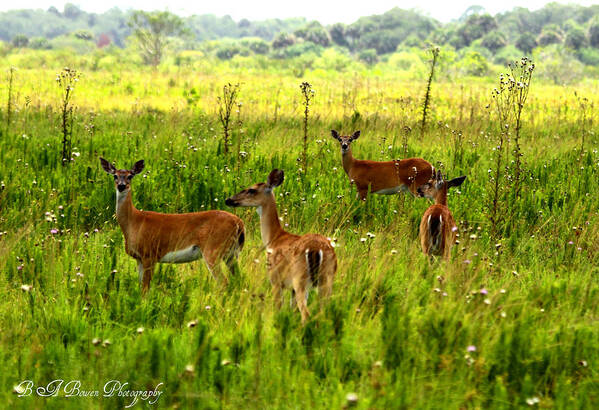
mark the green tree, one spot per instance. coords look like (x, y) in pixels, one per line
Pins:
(594, 32)
(152, 31)
(337, 33)
(475, 27)
(549, 36)
(315, 33)
(526, 42)
(575, 38)
(494, 40)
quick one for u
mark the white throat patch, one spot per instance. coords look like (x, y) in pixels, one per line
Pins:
(120, 197)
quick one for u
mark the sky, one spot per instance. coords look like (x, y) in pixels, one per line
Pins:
(325, 11)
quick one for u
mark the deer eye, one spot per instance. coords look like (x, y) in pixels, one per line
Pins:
(115, 177)
(129, 177)
(252, 191)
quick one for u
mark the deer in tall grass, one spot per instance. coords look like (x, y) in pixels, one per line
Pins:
(438, 230)
(383, 178)
(294, 261)
(152, 237)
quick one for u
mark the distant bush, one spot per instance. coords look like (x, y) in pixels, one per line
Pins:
(20, 41)
(589, 56)
(559, 65)
(40, 43)
(334, 59)
(256, 45)
(84, 35)
(297, 50)
(507, 54)
(283, 40)
(227, 52)
(473, 63)
(369, 56)
(406, 60)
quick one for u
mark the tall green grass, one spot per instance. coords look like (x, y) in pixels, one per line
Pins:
(397, 329)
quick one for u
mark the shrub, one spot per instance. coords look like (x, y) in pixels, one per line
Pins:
(40, 43)
(369, 56)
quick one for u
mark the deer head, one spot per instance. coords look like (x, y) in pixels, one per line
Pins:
(122, 177)
(345, 140)
(257, 194)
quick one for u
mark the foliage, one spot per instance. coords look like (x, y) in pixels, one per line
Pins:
(494, 40)
(152, 31)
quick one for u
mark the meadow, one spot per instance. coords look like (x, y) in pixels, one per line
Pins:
(510, 321)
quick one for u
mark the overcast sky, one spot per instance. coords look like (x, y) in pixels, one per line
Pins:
(325, 11)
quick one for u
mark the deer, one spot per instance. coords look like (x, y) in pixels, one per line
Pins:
(299, 262)
(438, 230)
(384, 177)
(153, 237)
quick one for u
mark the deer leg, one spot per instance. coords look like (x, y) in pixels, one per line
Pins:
(277, 294)
(362, 192)
(148, 270)
(140, 271)
(301, 297)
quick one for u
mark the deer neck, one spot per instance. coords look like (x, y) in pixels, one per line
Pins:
(442, 196)
(125, 210)
(270, 227)
(348, 160)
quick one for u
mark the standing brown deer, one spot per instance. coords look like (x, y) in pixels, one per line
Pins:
(385, 178)
(152, 237)
(437, 227)
(294, 261)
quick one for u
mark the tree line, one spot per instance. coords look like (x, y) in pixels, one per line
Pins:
(515, 32)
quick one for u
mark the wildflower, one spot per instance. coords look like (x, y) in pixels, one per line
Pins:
(20, 267)
(362, 239)
(208, 307)
(225, 362)
(370, 235)
(106, 343)
(483, 291)
(352, 399)
(193, 323)
(26, 288)
(140, 330)
(503, 314)
(487, 301)
(96, 341)
(53, 231)
(532, 401)
(467, 261)
(471, 348)
(189, 369)
(583, 363)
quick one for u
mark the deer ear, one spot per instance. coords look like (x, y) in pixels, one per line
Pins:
(138, 167)
(275, 178)
(107, 166)
(355, 135)
(456, 181)
(335, 135)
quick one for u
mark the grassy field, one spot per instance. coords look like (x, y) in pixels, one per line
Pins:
(509, 321)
